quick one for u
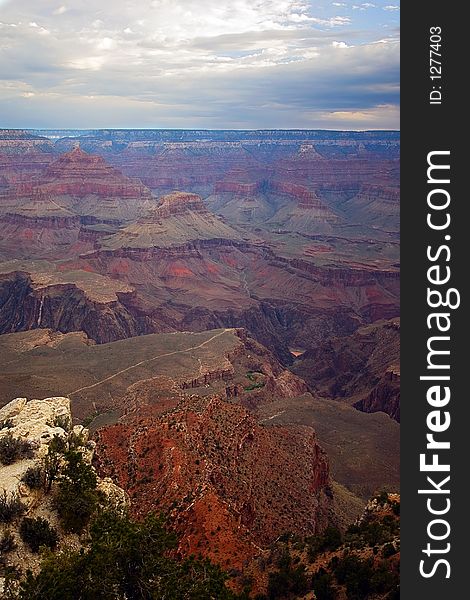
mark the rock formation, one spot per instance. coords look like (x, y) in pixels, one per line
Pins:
(230, 485)
(78, 174)
(363, 367)
(179, 218)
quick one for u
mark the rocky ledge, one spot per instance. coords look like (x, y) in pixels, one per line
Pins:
(27, 431)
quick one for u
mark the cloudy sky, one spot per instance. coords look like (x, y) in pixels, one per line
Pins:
(199, 63)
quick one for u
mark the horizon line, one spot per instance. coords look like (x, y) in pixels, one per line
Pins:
(196, 129)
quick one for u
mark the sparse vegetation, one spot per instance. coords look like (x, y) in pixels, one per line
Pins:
(88, 419)
(359, 566)
(11, 507)
(13, 449)
(256, 383)
(254, 386)
(38, 532)
(372, 533)
(329, 540)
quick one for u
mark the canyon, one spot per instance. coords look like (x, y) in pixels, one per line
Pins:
(221, 308)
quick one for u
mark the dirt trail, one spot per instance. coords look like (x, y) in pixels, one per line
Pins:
(147, 360)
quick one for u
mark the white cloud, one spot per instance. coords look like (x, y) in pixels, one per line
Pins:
(88, 63)
(332, 21)
(106, 44)
(363, 6)
(41, 30)
(381, 116)
(60, 10)
(391, 7)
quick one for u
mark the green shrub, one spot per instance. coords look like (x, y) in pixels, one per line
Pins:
(254, 386)
(77, 498)
(11, 576)
(362, 578)
(38, 532)
(330, 540)
(7, 542)
(52, 461)
(76, 440)
(290, 581)
(33, 477)
(373, 533)
(383, 579)
(12, 449)
(382, 497)
(11, 507)
(356, 575)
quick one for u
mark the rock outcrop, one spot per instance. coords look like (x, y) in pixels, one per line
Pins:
(385, 396)
(179, 203)
(36, 422)
(229, 484)
(62, 307)
(79, 174)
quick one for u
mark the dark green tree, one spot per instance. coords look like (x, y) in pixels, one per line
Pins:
(77, 497)
(322, 584)
(52, 461)
(289, 581)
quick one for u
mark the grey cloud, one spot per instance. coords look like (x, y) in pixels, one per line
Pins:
(273, 73)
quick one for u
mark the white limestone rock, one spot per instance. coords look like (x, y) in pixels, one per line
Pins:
(12, 409)
(116, 497)
(33, 421)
